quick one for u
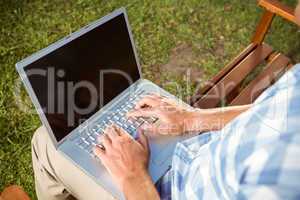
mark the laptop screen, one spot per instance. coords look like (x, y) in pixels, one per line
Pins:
(76, 80)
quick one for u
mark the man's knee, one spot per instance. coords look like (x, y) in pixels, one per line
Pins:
(44, 153)
(39, 140)
(46, 181)
(40, 149)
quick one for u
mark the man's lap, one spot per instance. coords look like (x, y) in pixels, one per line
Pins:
(57, 177)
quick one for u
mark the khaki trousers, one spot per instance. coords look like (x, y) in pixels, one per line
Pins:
(56, 178)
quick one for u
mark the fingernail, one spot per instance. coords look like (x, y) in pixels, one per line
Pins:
(143, 127)
(101, 146)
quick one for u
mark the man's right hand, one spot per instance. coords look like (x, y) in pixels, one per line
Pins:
(172, 117)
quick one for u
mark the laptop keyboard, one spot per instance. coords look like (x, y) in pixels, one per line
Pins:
(89, 138)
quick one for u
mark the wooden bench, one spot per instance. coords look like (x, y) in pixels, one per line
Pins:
(228, 87)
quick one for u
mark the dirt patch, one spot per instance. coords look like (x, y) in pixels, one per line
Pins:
(181, 64)
(219, 48)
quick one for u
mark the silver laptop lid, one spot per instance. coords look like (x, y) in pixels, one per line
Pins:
(75, 77)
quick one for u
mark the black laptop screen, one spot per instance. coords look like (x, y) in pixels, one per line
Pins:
(76, 80)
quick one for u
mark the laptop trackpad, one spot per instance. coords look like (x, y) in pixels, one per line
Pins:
(162, 148)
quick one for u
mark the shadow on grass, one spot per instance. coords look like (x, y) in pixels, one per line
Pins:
(10, 6)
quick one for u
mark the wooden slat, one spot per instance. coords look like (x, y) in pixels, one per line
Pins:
(280, 9)
(201, 91)
(263, 27)
(230, 96)
(228, 67)
(234, 77)
(273, 70)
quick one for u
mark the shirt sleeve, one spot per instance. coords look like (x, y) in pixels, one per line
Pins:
(278, 177)
(269, 192)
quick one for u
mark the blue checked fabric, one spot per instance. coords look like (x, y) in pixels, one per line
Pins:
(255, 156)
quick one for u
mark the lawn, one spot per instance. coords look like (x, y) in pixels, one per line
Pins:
(171, 36)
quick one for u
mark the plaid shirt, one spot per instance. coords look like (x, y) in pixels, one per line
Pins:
(255, 156)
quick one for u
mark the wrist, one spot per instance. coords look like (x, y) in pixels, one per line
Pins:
(139, 187)
(196, 121)
(135, 180)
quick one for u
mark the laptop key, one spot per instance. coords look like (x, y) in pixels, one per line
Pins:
(92, 138)
(96, 134)
(119, 124)
(130, 121)
(125, 125)
(81, 146)
(85, 141)
(121, 113)
(78, 141)
(116, 118)
(109, 123)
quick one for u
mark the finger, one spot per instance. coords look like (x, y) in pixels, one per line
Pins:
(145, 112)
(124, 134)
(164, 99)
(156, 96)
(100, 138)
(150, 129)
(120, 131)
(99, 152)
(112, 132)
(143, 140)
(161, 98)
(106, 141)
(148, 100)
(100, 146)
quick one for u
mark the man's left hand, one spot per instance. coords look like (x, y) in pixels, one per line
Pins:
(125, 159)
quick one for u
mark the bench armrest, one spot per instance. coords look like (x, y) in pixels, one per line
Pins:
(280, 9)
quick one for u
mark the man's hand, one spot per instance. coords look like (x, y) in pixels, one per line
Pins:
(172, 117)
(124, 157)
(175, 119)
(126, 160)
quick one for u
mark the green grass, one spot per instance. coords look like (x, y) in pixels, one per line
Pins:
(158, 27)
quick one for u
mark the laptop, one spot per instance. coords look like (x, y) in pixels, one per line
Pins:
(87, 81)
